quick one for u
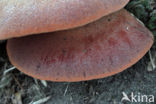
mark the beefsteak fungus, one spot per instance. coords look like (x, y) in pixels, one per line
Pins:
(96, 50)
(26, 17)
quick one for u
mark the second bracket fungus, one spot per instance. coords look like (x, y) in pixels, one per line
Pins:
(97, 50)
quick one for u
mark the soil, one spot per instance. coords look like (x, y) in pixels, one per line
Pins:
(140, 79)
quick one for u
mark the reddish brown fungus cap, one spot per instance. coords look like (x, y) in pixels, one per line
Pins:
(26, 17)
(97, 50)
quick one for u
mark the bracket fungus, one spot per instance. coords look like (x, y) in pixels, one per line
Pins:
(96, 50)
(26, 17)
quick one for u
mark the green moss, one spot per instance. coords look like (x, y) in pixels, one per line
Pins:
(145, 10)
(152, 21)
